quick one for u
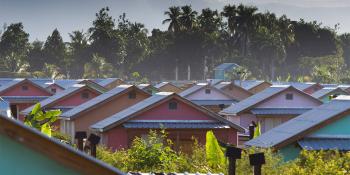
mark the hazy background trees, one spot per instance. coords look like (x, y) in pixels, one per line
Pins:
(271, 47)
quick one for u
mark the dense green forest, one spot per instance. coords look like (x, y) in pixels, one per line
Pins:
(268, 47)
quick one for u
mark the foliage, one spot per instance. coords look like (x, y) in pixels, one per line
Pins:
(214, 154)
(42, 120)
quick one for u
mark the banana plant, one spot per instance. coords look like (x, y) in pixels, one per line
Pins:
(42, 120)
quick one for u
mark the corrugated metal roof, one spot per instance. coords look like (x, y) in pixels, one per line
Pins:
(248, 84)
(125, 114)
(23, 99)
(328, 91)
(107, 81)
(341, 144)
(95, 101)
(222, 85)
(193, 89)
(298, 85)
(56, 97)
(181, 124)
(4, 81)
(214, 102)
(279, 111)
(159, 85)
(11, 83)
(301, 123)
(225, 66)
(143, 86)
(253, 100)
(66, 83)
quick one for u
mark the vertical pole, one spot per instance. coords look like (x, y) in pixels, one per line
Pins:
(257, 170)
(231, 166)
(80, 144)
(93, 150)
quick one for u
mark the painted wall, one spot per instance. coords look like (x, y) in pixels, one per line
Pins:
(312, 89)
(86, 119)
(13, 162)
(259, 88)
(54, 86)
(76, 99)
(244, 120)
(290, 152)
(32, 91)
(299, 101)
(183, 112)
(170, 88)
(269, 122)
(237, 93)
(214, 95)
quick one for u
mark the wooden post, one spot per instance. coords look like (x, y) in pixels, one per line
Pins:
(94, 140)
(80, 136)
(257, 160)
(257, 170)
(233, 154)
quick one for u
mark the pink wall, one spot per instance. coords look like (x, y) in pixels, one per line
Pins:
(32, 90)
(237, 93)
(54, 86)
(183, 112)
(312, 89)
(76, 99)
(214, 95)
(299, 101)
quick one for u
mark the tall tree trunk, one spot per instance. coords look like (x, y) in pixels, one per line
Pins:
(272, 69)
(188, 72)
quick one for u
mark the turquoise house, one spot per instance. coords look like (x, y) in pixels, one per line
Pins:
(24, 150)
(222, 69)
(326, 94)
(323, 128)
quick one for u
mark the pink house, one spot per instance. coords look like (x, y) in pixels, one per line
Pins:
(271, 107)
(22, 93)
(234, 90)
(209, 96)
(181, 118)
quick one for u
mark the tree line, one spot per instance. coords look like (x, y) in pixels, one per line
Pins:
(268, 46)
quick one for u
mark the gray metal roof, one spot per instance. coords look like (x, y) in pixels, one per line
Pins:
(106, 81)
(143, 86)
(125, 114)
(4, 81)
(302, 123)
(95, 101)
(56, 97)
(226, 66)
(247, 84)
(298, 85)
(182, 124)
(24, 99)
(328, 91)
(159, 85)
(11, 83)
(253, 100)
(279, 111)
(214, 102)
(193, 89)
(222, 85)
(341, 144)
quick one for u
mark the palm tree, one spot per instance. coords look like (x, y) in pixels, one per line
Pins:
(209, 20)
(188, 17)
(173, 19)
(230, 12)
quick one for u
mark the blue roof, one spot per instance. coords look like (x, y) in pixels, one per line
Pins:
(160, 85)
(11, 83)
(96, 101)
(328, 91)
(341, 144)
(4, 81)
(299, 85)
(213, 102)
(128, 113)
(106, 81)
(248, 84)
(226, 66)
(153, 124)
(302, 125)
(193, 89)
(279, 111)
(24, 99)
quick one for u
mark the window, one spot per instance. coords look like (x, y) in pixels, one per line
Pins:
(85, 95)
(132, 95)
(172, 105)
(24, 88)
(289, 96)
(207, 91)
(53, 90)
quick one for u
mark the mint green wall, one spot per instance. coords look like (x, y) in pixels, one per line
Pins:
(16, 159)
(339, 127)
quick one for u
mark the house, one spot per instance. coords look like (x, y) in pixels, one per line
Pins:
(81, 117)
(38, 154)
(181, 118)
(67, 99)
(167, 87)
(22, 93)
(323, 128)
(208, 96)
(327, 93)
(221, 70)
(109, 83)
(271, 107)
(48, 84)
(235, 91)
(307, 87)
(253, 86)
(148, 88)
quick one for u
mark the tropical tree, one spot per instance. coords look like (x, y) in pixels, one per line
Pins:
(36, 57)
(54, 49)
(173, 19)
(78, 53)
(188, 17)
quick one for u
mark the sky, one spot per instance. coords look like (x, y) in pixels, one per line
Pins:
(41, 17)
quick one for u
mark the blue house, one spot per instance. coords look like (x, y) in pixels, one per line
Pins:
(220, 70)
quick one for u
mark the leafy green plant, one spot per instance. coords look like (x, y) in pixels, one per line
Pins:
(214, 153)
(42, 120)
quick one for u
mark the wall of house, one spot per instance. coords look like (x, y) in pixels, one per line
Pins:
(312, 89)
(299, 101)
(219, 74)
(183, 112)
(76, 99)
(269, 122)
(14, 162)
(290, 152)
(18, 91)
(54, 86)
(169, 88)
(259, 88)
(244, 120)
(85, 120)
(237, 93)
(214, 95)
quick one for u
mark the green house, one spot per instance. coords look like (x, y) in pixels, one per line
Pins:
(323, 128)
(328, 93)
(222, 69)
(24, 150)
